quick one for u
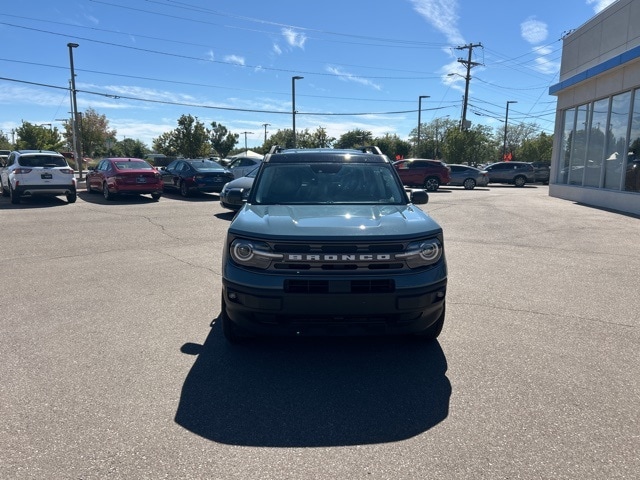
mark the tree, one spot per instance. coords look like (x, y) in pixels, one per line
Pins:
(354, 138)
(130, 148)
(221, 139)
(517, 135)
(432, 136)
(191, 137)
(473, 146)
(165, 144)
(4, 142)
(93, 133)
(38, 137)
(538, 149)
(392, 145)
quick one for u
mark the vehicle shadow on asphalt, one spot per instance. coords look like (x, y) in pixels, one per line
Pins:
(33, 202)
(313, 392)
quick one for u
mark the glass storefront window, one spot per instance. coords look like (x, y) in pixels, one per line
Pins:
(632, 170)
(597, 140)
(579, 146)
(565, 144)
(616, 149)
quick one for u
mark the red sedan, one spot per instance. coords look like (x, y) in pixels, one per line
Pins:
(115, 176)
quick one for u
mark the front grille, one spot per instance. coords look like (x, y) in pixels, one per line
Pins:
(347, 286)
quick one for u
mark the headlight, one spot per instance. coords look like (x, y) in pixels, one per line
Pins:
(422, 253)
(252, 254)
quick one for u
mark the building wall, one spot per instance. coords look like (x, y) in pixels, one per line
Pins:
(599, 88)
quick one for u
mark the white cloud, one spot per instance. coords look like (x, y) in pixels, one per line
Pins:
(210, 56)
(599, 5)
(542, 63)
(293, 38)
(347, 77)
(442, 15)
(234, 59)
(276, 49)
(534, 31)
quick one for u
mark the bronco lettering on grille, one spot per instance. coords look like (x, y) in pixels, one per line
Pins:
(338, 257)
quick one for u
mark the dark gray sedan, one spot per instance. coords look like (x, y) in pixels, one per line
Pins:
(243, 185)
(468, 177)
(197, 175)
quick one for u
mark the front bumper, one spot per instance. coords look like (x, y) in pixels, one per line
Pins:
(336, 310)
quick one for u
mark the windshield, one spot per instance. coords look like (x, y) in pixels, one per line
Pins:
(323, 183)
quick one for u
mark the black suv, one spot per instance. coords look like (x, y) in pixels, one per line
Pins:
(329, 243)
(515, 173)
(542, 172)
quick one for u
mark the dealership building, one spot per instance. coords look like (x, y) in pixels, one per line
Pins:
(596, 149)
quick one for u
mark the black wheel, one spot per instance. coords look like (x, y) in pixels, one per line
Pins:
(469, 184)
(434, 330)
(5, 191)
(184, 191)
(105, 191)
(15, 198)
(519, 181)
(156, 196)
(431, 184)
(72, 197)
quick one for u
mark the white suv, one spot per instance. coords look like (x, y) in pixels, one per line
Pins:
(37, 172)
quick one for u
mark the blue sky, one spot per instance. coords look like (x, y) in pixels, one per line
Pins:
(143, 64)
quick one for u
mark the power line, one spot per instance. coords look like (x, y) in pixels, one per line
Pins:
(213, 107)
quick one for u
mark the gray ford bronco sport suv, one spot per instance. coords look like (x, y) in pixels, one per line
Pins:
(330, 243)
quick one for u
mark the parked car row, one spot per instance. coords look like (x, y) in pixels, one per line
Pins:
(432, 174)
(30, 173)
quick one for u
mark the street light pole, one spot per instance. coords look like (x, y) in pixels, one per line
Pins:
(419, 119)
(74, 108)
(506, 119)
(293, 107)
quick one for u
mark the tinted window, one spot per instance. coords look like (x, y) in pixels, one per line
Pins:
(206, 166)
(132, 165)
(43, 161)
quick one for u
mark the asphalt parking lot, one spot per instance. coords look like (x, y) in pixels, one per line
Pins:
(110, 368)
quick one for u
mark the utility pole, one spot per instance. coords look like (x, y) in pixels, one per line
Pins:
(245, 141)
(265, 125)
(74, 112)
(469, 65)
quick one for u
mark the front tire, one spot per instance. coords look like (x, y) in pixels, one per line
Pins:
(230, 330)
(469, 184)
(156, 196)
(72, 197)
(434, 330)
(519, 181)
(431, 184)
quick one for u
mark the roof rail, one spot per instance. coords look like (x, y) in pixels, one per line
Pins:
(371, 149)
(276, 149)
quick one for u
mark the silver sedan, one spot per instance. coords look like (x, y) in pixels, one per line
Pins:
(468, 177)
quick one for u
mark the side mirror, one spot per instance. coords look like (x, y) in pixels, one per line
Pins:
(235, 197)
(419, 197)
